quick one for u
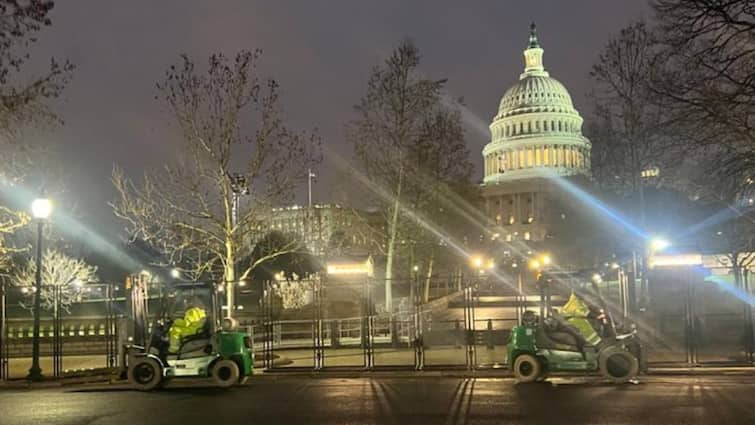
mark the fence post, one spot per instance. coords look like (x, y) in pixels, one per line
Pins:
(335, 333)
(394, 332)
(3, 334)
(457, 333)
(490, 334)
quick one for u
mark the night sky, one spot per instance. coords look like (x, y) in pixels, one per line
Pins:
(321, 52)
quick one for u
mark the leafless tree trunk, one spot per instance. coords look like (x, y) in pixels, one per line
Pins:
(236, 144)
(23, 104)
(429, 275)
(409, 141)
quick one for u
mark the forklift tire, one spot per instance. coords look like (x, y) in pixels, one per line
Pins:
(225, 373)
(618, 365)
(146, 374)
(527, 368)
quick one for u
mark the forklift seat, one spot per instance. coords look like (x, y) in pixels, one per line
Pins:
(562, 341)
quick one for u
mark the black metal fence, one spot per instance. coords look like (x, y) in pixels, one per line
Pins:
(697, 317)
(66, 342)
(689, 321)
(344, 325)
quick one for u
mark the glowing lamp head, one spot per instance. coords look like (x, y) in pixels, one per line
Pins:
(491, 264)
(534, 264)
(546, 259)
(659, 244)
(596, 278)
(41, 208)
(477, 261)
(175, 273)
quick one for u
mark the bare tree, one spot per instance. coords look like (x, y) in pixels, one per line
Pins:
(632, 133)
(206, 211)
(707, 79)
(60, 273)
(23, 104)
(409, 141)
(709, 67)
(293, 294)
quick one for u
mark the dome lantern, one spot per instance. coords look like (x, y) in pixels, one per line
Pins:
(533, 56)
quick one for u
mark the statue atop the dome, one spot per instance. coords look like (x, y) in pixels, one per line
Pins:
(533, 36)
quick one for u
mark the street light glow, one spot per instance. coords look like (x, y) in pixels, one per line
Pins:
(175, 273)
(534, 264)
(659, 244)
(41, 208)
(477, 261)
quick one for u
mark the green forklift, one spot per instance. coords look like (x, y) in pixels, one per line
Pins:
(582, 337)
(186, 338)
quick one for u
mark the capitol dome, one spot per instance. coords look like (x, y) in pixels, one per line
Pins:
(537, 128)
(535, 94)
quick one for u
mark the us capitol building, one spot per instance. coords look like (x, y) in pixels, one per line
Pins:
(536, 135)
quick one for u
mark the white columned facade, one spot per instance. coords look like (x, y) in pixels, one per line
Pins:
(536, 135)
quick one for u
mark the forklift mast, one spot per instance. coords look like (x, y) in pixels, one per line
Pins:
(138, 307)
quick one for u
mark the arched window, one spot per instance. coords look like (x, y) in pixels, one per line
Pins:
(553, 126)
(538, 156)
(521, 158)
(546, 156)
(521, 127)
(559, 126)
(530, 157)
(529, 126)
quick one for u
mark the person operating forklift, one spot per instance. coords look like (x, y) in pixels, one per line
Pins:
(192, 323)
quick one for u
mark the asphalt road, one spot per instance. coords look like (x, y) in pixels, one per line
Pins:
(431, 400)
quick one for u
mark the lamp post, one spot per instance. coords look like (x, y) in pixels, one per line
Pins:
(239, 186)
(538, 264)
(41, 209)
(652, 247)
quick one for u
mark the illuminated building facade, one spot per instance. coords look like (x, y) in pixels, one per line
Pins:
(536, 134)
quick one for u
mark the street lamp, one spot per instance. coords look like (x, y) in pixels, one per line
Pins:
(481, 263)
(41, 209)
(539, 262)
(659, 244)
